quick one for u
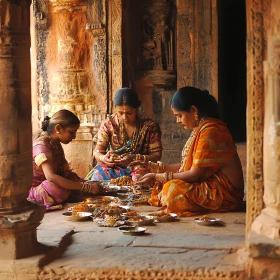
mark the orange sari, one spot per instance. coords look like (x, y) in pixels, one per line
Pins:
(209, 145)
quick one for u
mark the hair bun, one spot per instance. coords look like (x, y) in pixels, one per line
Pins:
(45, 123)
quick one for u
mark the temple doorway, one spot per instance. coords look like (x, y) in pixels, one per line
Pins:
(232, 65)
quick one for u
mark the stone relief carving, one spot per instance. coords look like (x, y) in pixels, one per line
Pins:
(116, 46)
(255, 110)
(158, 36)
(185, 32)
(40, 7)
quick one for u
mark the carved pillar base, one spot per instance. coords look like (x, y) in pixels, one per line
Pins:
(18, 237)
(267, 224)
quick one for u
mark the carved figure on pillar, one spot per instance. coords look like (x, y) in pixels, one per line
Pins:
(157, 34)
(69, 81)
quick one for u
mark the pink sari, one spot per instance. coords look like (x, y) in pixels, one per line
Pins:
(42, 190)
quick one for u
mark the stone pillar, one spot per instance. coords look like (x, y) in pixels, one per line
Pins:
(197, 44)
(268, 222)
(264, 236)
(255, 109)
(18, 218)
(68, 77)
(115, 69)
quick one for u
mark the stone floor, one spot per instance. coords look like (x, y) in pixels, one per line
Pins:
(174, 250)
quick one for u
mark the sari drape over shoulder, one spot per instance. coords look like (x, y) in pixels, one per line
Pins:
(42, 190)
(111, 136)
(210, 145)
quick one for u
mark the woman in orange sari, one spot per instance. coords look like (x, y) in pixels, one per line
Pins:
(209, 177)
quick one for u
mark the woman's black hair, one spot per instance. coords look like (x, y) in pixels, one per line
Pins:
(186, 97)
(63, 117)
(126, 96)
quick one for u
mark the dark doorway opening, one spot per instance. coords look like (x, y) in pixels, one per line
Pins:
(232, 65)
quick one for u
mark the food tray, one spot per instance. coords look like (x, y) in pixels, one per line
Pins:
(163, 217)
(109, 222)
(141, 221)
(101, 200)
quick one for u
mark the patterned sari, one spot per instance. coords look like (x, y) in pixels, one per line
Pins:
(209, 145)
(42, 190)
(111, 136)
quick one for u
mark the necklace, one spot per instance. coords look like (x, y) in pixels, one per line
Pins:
(188, 145)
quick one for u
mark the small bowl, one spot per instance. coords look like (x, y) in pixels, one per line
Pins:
(209, 222)
(132, 230)
(81, 216)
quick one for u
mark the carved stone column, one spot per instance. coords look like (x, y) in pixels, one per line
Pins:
(268, 222)
(115, 51)
(264, 237)
(18, 218)
(68, 77)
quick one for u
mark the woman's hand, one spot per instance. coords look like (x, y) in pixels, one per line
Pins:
(93, 187)
(125, 160)
(146, 180)
(96, 187)
(106, 159)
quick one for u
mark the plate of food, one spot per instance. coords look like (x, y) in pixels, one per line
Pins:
(130, 213)
(101, 200)
(163, 216)
(141, 220)
(132, 230)
(209, 221)
(109, 222)
(77, 216)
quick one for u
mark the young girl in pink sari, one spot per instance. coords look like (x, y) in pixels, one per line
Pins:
(53, 181)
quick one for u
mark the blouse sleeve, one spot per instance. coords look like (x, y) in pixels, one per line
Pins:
(40, 158)
(41, 152)
(103, 136)
(215, 147)
(154, 136)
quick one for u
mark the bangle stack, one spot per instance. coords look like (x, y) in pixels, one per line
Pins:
(164, 177)
(86, 187)
(140, 157)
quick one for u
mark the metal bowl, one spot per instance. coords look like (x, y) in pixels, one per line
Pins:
(78, 217)
(209, 221)
(132, 230)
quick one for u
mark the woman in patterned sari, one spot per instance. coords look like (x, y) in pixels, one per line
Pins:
(53, 181)
(125, 137)
(209, 177)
